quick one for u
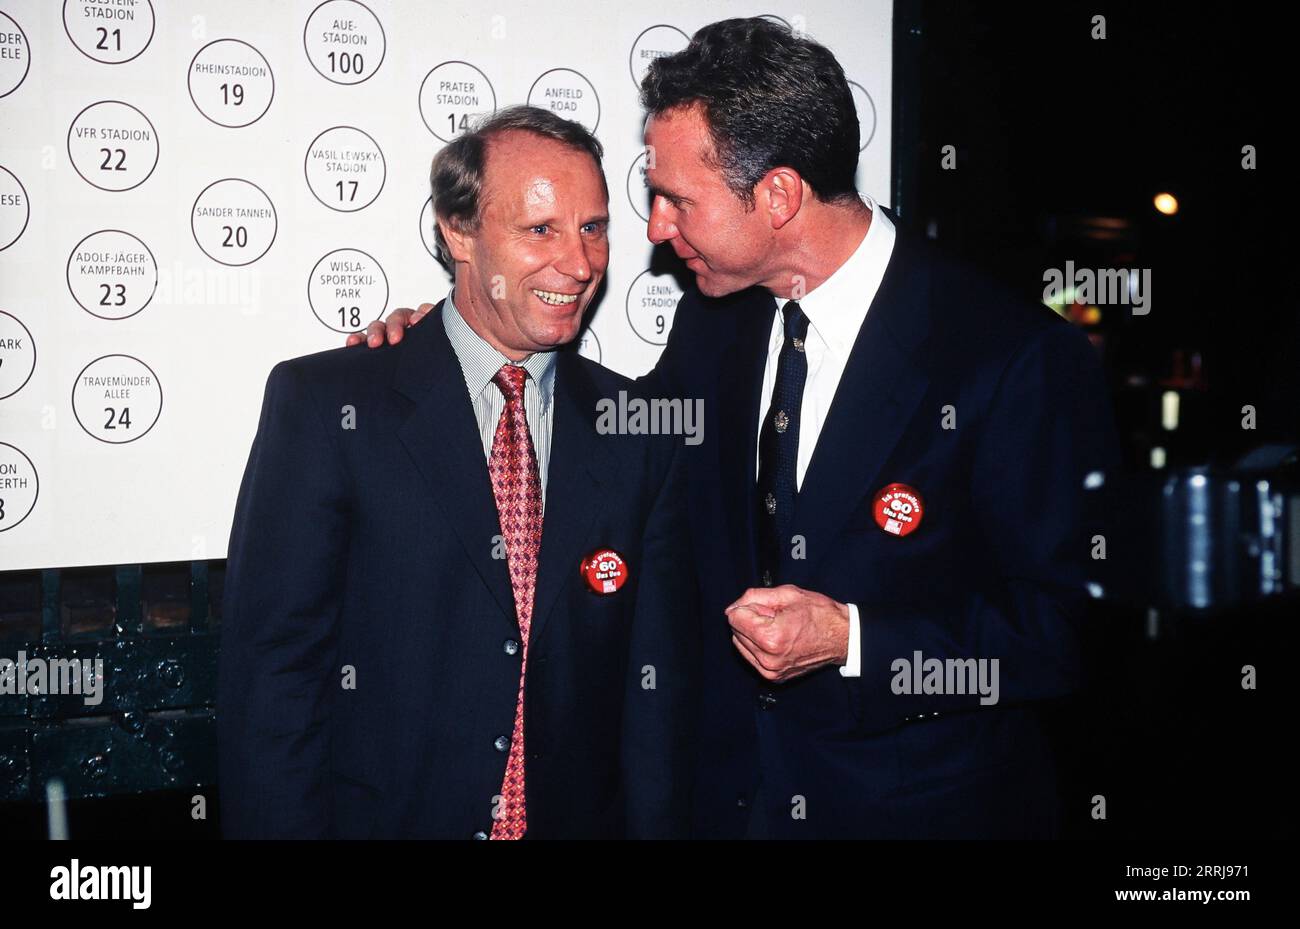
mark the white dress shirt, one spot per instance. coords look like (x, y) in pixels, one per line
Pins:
(836, 310)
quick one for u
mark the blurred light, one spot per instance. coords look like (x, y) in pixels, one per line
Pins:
(1169, 410)
(1104, 228)
(1167, 204)
(1068, 305)
(1157, 457)
(56, 809)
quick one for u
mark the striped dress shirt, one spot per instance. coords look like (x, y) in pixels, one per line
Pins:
(479, 362)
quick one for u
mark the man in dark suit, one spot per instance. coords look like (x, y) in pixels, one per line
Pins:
(990, 412)
(898, 473)
(439, 665)
(886, 510)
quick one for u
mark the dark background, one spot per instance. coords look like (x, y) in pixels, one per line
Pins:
(1062, 141)
(1055, 130)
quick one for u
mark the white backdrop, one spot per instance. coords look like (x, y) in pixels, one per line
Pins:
(191, 191)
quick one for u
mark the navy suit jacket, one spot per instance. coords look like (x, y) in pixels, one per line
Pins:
(994, 570)
(365, 670)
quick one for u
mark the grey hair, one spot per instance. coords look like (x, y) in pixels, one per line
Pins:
(456, 176)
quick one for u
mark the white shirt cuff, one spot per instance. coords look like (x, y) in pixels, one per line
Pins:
(853, 667)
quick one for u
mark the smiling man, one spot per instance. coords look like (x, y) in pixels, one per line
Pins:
(436, 664)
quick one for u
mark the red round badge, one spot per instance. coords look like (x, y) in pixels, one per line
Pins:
(604, 570)
(898, 509)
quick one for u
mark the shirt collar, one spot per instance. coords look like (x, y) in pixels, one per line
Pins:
(837, 307)
(480, 362)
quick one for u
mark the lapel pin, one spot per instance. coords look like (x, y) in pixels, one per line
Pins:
(604, 570)
(898, 509)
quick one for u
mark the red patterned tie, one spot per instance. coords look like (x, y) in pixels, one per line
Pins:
(518, 491)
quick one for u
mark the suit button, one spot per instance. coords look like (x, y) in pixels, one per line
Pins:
(502, 744)
(766, 701)
(511, 647)
(742, 802)
(480, 835)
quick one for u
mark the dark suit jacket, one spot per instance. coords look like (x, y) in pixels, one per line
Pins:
(369, 551)
(993, 571)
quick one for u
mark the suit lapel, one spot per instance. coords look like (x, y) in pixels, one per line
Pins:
(581, 463)
(877, 396)
(740, 395)
(442, 438)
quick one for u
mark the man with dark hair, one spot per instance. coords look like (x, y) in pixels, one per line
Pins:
(439, 666)
(887, 507)
(769, 98)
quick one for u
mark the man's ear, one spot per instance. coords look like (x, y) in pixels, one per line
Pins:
(459, 242)
(782, 189)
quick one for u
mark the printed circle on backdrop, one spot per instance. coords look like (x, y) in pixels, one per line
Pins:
(109, 31)
(866, 108)
(15, 210)
(117, 399)
(426, 228)
(652, 43)
(589, 345)
(231, 83)
(15, 55)
(113, 145)
(452, 95)
(347, 290)
(233, 221)
(345, 169)
(19, 485)
(17, 355)
(651, 303)
(567, 93)
(638, 188)
(112, 274)
(344, 41)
